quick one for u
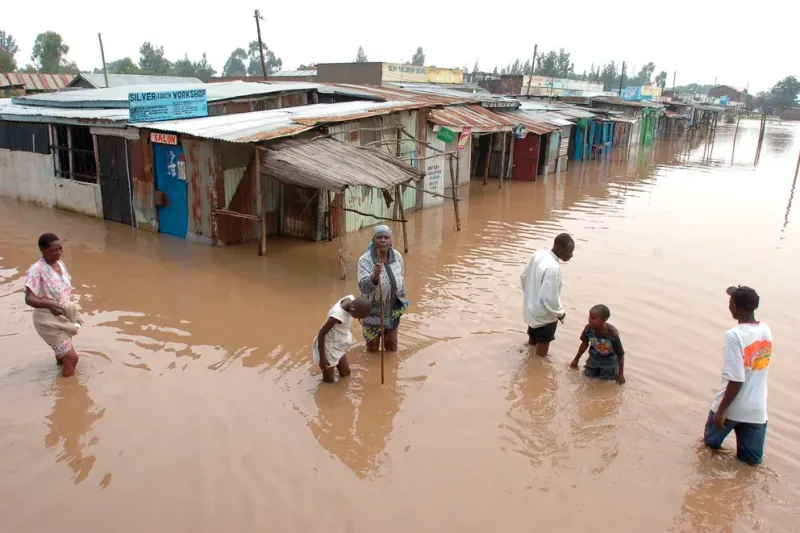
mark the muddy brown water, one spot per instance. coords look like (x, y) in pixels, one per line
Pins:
(196, 408)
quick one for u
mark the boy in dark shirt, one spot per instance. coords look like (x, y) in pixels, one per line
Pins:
(606, 355)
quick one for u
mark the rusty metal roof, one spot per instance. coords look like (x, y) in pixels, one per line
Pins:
(35, 81)
(387, 94)
(58, 115)
(616, 100)
(275, 123)
(486, 98)
(474, 117)
(531, 124)
(330, 164)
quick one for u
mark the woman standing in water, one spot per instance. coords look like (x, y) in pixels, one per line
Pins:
(382, 264)
(48, 289)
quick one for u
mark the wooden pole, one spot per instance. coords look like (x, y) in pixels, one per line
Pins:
(533, 69)
(760, 137)
(259, 18)
(454, 184)
(503, 159)
(488, 159)
(399, 194)
(510, 166)
(103, 57)
(330, 216)
(262, 220)
(342, 230)
(383, 327)
(797, 168)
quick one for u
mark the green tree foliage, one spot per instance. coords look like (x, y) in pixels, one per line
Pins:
(419, 57)
(235, 65)
(273, 63)
(183, 67)
(152, 60)
(783, 94)
(203, 69)
(49, 54)
(661, 80)
(645, 75)
(8, 49)
(361, 57)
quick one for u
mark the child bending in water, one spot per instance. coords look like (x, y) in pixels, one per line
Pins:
(606, 355)
(334, 337)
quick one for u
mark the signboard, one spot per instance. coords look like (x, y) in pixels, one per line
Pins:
(446, 135)
(418, 74)
(153, 106)
(164, 138)
(464, 139)
(631, 93)
(563, 147)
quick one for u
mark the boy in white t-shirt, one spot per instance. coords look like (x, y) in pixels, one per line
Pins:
(334, 337)
(741, 403)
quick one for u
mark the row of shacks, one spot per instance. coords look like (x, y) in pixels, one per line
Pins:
(303, 159)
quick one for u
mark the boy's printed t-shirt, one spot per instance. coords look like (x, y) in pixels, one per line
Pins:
(339, 338)
(745, 358)
(603, 349)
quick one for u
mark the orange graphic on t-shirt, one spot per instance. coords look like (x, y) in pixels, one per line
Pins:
(757, 355)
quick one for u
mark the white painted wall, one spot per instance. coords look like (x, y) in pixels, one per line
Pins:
(29, 177)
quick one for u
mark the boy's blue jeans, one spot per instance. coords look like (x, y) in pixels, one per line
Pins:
(749, 438)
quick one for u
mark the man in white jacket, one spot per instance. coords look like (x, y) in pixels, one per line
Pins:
(541, 286)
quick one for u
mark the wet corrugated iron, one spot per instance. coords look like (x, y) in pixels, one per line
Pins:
(531, 124)
(384, 93)
(118, 96)
(615, 100)
(126, 80)
(35, 81)
(22, 113)
(275, 123)
(472, 116)
(485, 97)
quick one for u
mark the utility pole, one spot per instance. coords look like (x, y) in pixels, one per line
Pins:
(258, 18)
(103, 57)
(622, 78)
(533, 69)
(674, 75)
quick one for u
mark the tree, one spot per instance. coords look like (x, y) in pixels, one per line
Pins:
(152, 60)
(661, 80)
(419, 57)
(548, 64)
(203, 69)
(475, 69)
(526, 68)
(783, 94)
(310, 66)
(644, 77)
(235, 66)
(8, 49)
(361, 57)
(272, 63)
(564, 67)
(123, 66)
(183, 67)
(495, 71)
(49, 54)
(610, 77)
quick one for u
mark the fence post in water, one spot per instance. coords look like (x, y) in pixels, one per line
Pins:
(454, 184)
(262, 222)
(735, 131)
(342, 229)
(760, 137)
(399, 195)
(488, 159)
(330, 216)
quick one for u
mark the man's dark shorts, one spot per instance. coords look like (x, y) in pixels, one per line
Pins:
(543, 334)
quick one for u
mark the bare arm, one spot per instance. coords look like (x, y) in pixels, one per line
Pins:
(326, 327)
(731, 391)
(581, 350)
(621, 373)
(42, 303)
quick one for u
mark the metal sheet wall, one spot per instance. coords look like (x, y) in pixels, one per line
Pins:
(144, 207)
(204, 171)
(238, 175)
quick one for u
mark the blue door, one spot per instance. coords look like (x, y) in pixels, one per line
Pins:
(170, 171)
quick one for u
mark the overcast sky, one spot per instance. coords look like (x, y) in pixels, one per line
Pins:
(699, 39)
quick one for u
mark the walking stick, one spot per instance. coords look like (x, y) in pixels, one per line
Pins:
(383, 330)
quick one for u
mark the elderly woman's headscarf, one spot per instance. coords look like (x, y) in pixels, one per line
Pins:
(380, 228)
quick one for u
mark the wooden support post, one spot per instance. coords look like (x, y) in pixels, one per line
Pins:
(330, 216)
(399, 194)
(342, 230)
(454, 184)
(262, 221)
(97, 159)
(797, 168)
(510, 165)
(69, 151)
(488, 159)
(422, 128)
(760, 137)
(503, 160)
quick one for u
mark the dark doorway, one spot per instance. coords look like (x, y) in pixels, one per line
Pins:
(115, 179)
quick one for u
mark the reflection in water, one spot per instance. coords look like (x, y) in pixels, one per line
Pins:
(722, 495)
(354, 418)
(71, 419)
(598, 405)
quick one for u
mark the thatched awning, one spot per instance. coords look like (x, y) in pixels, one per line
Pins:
(325, 163)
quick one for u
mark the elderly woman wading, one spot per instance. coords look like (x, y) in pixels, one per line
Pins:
(382, 264)
(48, 289)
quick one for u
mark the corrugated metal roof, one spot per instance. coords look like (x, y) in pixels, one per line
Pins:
(275, 123)
(531, 124)
(546, 117)
(35, 81)
(292, 73)
(473, 116)
(573, 112)
(21, 113)
(385, 94)
(329, 164)
(126, 80)
(483, 96)
(615, 100)
(118, 96)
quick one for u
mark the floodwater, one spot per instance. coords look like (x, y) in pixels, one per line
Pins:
(196, 408)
